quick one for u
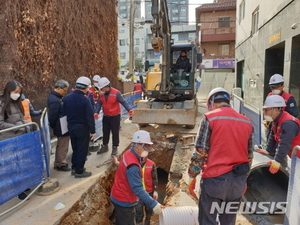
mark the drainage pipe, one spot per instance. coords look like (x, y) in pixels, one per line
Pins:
(264, 186)
(183, 215)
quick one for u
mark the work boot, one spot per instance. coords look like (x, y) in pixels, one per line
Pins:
(114, 151)
(73, 171)
(82, 175)
(104, 148)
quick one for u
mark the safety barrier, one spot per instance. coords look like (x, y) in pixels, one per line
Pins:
(21, 164)
(252, 112)
(292, 215)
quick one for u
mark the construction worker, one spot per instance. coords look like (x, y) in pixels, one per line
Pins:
(29, 110)
(138, 88)
(128, 188)
(110, 99)
(81, 125)
(183, 62)
(93, 92)
(276, 84)
(55, 112)
(224, 155)
(149, 181)
(284, 132)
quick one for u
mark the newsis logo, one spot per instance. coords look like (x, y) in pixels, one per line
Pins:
(249, 207)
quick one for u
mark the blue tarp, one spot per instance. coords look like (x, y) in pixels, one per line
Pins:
(21, 165)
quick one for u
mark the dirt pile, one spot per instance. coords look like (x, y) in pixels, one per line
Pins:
(44, 41)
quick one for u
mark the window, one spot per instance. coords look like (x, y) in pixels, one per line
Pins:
(242, 11)
(122, 55)
(255, 18)
(121, 31)
(174, 10)
(175, 37)
(175, 19)
(182, 2)
(183, 10)
(136, 41)
(224, 49)
(182, 18)
(224, 21)
(123, 15)
(122, 42)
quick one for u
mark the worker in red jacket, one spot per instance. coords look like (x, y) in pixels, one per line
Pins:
(284, 132)
(224, 155)
(128, 188)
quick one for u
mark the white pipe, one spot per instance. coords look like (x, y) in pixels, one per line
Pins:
(183, 215)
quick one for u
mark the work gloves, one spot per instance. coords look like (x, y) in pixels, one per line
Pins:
(259, 149)
(191, 185)
(155, 195)
(275, 166)
(96, 116)
(158, 209)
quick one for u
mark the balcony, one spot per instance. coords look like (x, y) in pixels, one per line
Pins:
(218, 34)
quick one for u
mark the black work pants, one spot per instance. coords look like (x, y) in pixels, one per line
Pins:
(111, 123)
(220, 190)
(139, 210)
(80, 137)
(124, 215)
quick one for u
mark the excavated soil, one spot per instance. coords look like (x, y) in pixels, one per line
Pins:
(42, 41)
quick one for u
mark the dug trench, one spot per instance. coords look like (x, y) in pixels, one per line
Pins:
(172, 157)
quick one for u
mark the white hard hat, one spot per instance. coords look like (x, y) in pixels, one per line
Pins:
(141, 136)
(276, 78)
(214, 92)
(84, 80)
(96, 78)
(103, 82)
(274, 101)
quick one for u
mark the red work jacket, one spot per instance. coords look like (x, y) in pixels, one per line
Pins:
(121, 189)
(277, 129)
(228, 141)
(111, 106)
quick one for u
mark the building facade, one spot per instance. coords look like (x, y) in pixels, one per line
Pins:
(215, 34)
(267, 42)
(178, 16)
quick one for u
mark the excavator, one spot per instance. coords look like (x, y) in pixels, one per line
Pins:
(170, 92)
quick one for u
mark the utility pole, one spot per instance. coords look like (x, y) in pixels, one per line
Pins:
(131, 38)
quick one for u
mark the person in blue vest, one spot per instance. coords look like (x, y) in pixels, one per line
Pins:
(81, 125)
(149, 181)
(128, 188)
(224, 151)
(110, 99)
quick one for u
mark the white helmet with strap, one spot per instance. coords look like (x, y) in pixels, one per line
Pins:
(85, 81)
(274, 101)
(142, 136)
(96, 78)
(276, 79)
(103, 82)
(217, 93)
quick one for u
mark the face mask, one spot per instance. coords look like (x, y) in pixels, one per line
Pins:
(144, 154)
(14, 96)
(268, 118)
(276, 92)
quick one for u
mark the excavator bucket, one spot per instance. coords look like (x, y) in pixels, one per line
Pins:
(181, 113)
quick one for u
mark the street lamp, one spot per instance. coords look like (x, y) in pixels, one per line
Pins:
(131, 38)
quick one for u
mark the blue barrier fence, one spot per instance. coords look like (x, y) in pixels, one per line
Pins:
(21, 164)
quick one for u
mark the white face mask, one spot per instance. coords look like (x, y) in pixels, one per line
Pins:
(268, 118)
(144, 154)
(276, 92)
(14, 96)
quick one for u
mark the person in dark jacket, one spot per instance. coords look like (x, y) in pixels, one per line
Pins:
(55, 112)
(183, 62)
(81, 125)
